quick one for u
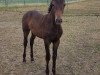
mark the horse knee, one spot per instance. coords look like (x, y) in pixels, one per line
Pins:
(24, 55)
(48, 57)
(25, 41)
(31, 42)
(54, 57)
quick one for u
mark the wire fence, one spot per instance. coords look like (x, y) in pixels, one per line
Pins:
(22, 2)
(26, 2)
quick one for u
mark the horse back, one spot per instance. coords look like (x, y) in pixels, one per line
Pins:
(32, 15)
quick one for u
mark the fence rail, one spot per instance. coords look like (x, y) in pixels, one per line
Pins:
(25, 2)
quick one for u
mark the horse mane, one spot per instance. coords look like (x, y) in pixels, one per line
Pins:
(50, 7)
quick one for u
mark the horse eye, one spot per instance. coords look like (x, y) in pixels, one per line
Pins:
(64, 5)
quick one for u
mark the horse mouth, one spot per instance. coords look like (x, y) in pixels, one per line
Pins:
(58, 23)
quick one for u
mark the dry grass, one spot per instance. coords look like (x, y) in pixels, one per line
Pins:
(79, 51)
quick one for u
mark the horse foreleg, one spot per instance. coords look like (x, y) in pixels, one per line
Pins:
(47, 44)
(54, 57)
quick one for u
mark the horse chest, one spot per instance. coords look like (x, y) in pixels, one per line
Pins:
(54, 34)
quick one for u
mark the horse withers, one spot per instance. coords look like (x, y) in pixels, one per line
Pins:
(48, 27)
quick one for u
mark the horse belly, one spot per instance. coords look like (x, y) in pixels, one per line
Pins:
(37, 30)
(38, 33)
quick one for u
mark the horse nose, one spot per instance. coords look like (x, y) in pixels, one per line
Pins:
(58, 21)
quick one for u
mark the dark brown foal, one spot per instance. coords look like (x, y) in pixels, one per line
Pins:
(48, 27)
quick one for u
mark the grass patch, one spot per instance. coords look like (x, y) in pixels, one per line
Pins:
(21, 8)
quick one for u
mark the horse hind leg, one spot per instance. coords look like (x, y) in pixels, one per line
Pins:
(31, 46)
(26, 33)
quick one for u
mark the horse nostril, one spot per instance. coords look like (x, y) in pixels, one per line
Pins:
(58, 21)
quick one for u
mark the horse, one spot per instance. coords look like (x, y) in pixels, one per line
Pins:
(47, 27)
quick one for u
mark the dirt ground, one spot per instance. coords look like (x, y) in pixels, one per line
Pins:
(78, 53)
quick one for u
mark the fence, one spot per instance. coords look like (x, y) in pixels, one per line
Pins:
(21, 2)
(25, 2)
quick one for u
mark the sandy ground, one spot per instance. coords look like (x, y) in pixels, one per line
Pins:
(78, 53)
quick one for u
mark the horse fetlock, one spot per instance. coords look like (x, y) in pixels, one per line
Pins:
(47, 71)
(32, 59)
(24, 60)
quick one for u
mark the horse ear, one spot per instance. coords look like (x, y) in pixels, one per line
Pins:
(65, 4)
(52, 2)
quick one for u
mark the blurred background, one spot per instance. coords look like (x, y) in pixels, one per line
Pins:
(26, 2)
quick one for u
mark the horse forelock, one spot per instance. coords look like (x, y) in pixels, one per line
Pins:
(55, 2)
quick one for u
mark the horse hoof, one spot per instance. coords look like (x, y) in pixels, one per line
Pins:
(47, 72)
(54, 72)
(24, 60)
(32, 59)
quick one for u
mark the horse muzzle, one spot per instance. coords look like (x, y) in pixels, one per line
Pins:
(58, 21)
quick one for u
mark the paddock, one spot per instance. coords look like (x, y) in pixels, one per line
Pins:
(79, 50)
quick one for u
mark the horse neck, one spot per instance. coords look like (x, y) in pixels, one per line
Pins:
(52, 17)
